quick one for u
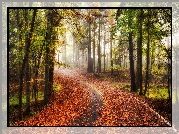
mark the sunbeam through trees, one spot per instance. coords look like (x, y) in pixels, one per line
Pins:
(89, 67)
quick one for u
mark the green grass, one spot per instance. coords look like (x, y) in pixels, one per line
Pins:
(122, 86)
(14, 103)
(14, 99)
(153, 92)
(157, 93)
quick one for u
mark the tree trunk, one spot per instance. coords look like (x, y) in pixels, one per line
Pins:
(73, 50)
(132, 73)
(25, 59)
(36, 76)
(90, 67)
(19, 40)
(52, 37)
(47, 59)
(65, 53)
(94, 52)
(152, 60)
(169, 71)
(168, 78)
(148, 58)
(27, 89)
(99, 50)
(27, 69)
(46, 73)
(51, 69)
(76, 55)
(104, 50)
(83, 58)
(35, 82)
(139, 55)
(111, 58)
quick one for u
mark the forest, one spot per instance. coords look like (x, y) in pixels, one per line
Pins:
(90, 67)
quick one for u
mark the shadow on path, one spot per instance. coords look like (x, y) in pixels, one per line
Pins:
(87, 118)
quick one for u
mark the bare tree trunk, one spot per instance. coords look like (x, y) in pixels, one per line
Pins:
(169, 71)
(27, 69)
(36, 76)
(94, 52)
(27, 89)
(112, 71)
(35, 82)
(47, 59)
(168, 81)
(148, 58)
(90, 67)
(51, 69)
(132, 73)
(65, 53)
(76, 55)
(139, 55)
(99, 50)
(73, 50)
(19, 39)
(104, 50)
(25, 59)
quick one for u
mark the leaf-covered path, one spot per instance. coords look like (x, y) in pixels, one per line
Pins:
(87, 101)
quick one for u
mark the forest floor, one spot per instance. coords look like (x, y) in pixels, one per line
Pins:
(87, 100)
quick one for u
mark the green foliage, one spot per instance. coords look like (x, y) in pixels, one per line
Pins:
(158, 29)
(157, 93)
(66, 20)
(154, 92)
(123, 86)
(14, 103)
(13, 99)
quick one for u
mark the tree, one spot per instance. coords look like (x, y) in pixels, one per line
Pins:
(94, 47)
(132, 73)
(99, 47)
(127, 17)
(90, 65)
(24, 63)
(27, 69)
(139, 53)
(147, 54)
(53, 20)
(111, 58)
(104, 52)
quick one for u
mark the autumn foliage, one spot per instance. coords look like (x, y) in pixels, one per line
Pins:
(73, 102)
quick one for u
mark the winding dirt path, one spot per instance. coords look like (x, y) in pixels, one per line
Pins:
(96, 103)
(113, 107)
(87, 101)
